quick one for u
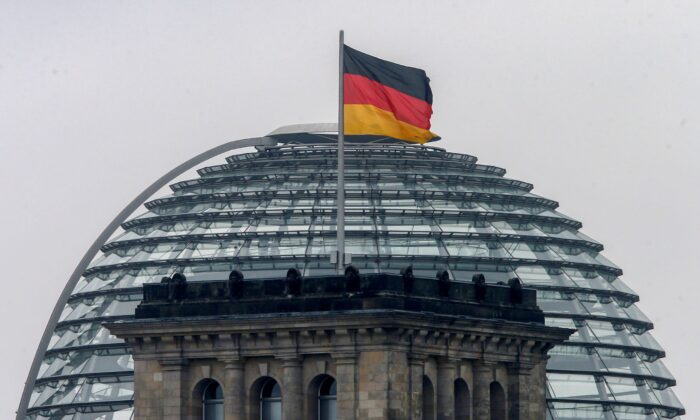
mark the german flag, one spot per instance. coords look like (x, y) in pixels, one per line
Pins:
(385, 99)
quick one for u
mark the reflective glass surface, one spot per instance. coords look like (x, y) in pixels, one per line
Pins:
(265, 212)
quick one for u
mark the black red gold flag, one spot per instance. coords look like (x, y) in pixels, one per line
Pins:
(385, 99)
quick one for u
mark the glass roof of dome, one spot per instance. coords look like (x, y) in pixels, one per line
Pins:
(267, 211)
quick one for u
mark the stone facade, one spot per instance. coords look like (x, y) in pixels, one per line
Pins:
(388, 362)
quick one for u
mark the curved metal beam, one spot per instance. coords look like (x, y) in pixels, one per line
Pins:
(104, 236)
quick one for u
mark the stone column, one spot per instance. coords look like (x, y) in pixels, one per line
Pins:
(292, 389)
(346, 384)
(398, 381)
(234, 388)
(518, 392)
(445, 389)
(374, 384)
(148, 386)
(174, 399)
(483, 376)
(416, 367)
(536, 389)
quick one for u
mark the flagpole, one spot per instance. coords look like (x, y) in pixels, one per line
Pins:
(340, 216)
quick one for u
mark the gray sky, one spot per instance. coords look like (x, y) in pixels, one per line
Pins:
(597, 103)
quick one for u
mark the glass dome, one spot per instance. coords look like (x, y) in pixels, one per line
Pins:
(267, 211)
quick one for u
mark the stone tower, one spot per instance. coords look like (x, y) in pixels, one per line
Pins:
(374, 346)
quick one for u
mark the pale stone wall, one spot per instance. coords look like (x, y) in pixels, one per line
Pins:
(148, 379)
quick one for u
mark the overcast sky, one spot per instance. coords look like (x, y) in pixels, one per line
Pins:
(597, 103)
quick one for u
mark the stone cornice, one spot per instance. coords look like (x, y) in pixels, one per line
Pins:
(298, 334)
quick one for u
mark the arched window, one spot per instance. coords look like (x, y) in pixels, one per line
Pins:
(327, 399)
(462, 400)
(428, 399)
(498, 402)
(213, 402)
(271, 401)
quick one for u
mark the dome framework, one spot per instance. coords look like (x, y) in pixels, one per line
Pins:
(267, 211)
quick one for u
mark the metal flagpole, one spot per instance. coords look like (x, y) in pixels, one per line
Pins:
(340, 217)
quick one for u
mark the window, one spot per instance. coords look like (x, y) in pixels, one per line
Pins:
(327, 399)
(462, 400)
(498, 402)
(213, 402)
(428, 399)
(270, 401)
